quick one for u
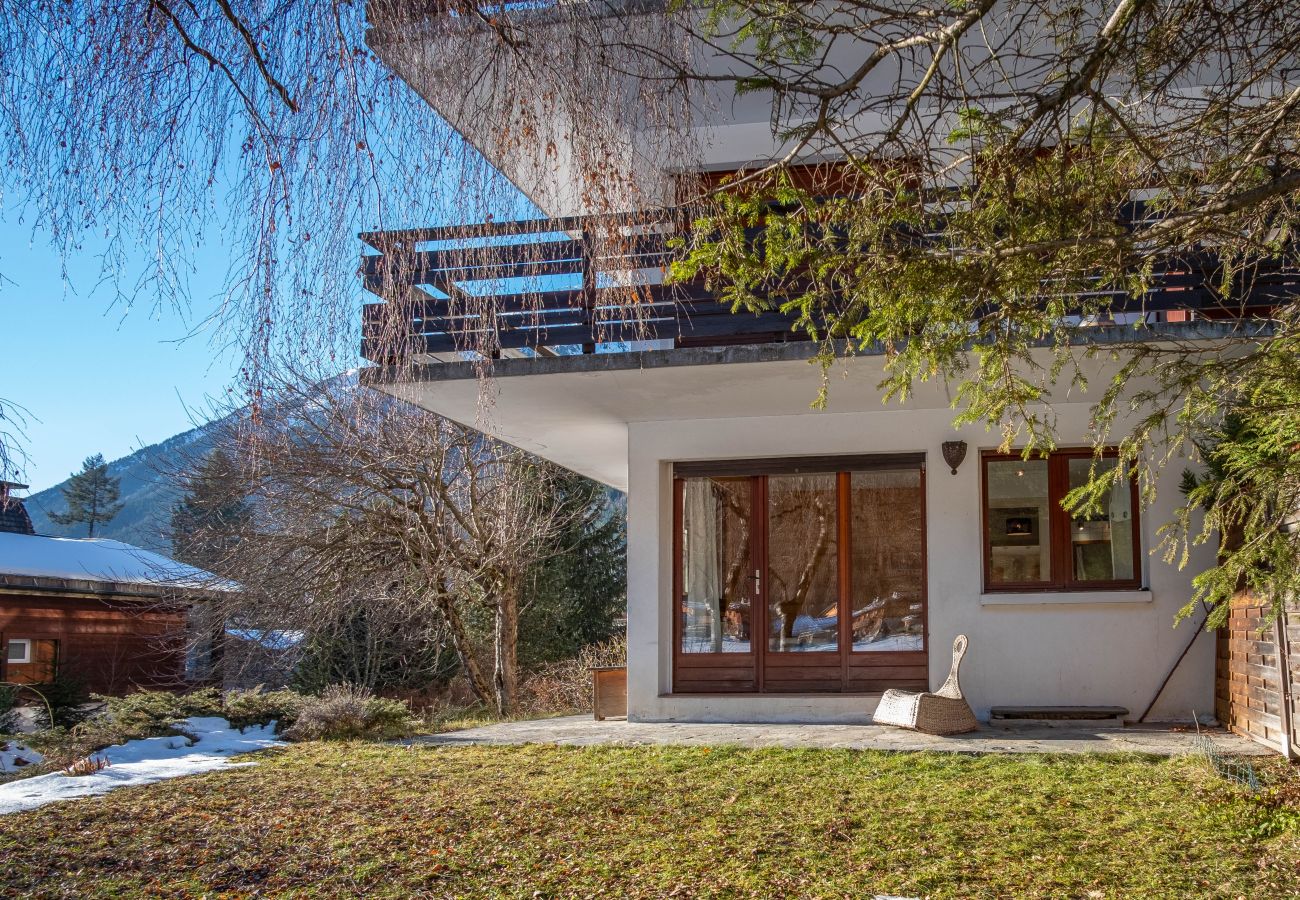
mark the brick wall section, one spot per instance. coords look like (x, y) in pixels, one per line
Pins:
(111, 646)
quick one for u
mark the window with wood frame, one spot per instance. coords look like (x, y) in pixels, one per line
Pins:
(1032, 544)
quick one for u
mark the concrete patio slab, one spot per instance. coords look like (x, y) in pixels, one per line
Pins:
(583, 731)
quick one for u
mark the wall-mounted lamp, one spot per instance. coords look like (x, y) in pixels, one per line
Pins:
(953, 453)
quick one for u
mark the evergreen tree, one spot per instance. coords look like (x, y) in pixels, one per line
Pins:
(91, 495)
(577, 594)
(207, 524)
(207, 521)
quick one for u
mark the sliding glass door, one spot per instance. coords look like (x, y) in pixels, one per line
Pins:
(800, 575)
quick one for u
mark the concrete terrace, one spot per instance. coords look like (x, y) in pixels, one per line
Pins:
(583, 731)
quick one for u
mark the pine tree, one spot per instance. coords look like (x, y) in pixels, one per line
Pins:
(91, 495)
(577, 593)
(207, 521)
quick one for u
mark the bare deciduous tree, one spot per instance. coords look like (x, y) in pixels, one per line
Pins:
(364, 506)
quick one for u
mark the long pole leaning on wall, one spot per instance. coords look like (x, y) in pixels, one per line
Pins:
(1283, 643)
(1196, 632)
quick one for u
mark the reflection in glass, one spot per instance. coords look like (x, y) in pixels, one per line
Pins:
(1019, 548)
(888, 607)
(1101, 544)
(717, 573)
(802, 587)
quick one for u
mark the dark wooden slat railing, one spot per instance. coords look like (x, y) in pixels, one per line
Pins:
(581, 282)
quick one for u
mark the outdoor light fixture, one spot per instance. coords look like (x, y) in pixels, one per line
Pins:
(953, 453)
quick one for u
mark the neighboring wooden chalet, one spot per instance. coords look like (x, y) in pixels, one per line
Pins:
(103, 613)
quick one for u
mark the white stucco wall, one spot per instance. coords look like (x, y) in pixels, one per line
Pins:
(1039, 652)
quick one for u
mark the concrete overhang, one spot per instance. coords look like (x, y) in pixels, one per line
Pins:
(575, 410)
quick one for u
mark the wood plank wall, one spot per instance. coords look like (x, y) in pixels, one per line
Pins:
(108, 646)
(1248, 688)
(1290, 652)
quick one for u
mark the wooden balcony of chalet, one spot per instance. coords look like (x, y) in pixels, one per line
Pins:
(583, 285)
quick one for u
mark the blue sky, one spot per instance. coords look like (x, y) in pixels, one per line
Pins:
(95, 377)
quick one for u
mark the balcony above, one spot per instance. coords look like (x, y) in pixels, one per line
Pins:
(542, 287)
(560, 288)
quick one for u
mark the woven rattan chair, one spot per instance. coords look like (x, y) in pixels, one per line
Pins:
(943, 712)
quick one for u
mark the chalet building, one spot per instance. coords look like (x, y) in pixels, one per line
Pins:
(784, 563)
(105, 614)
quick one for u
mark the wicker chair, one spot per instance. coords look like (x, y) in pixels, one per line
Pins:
(943, 712)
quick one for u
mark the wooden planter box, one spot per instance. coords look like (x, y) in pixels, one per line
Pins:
(608, 691)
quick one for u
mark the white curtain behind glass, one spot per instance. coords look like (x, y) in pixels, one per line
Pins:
(703, 589)
(1121, 529)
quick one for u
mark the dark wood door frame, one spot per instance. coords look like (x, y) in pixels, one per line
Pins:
(895, 668)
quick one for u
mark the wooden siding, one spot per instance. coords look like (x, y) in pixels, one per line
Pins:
(1249, 688)
(109, 646)
(1289, 632)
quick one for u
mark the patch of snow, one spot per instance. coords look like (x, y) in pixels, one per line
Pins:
(145, 762)
(14, 757)
(98, 559)
(28, 719)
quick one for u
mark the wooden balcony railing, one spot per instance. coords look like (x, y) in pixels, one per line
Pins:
(543, 284)
(576, 285)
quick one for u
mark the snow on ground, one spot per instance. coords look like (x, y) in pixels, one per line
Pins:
(144, 762)
(14, 757)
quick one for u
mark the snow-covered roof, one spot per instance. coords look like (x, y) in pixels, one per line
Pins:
(41, 560)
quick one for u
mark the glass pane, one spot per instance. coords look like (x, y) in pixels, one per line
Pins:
(1101, 544)
(888, 563)
(802, 585)
(1018, 539)
(717, 574)
(17, 651)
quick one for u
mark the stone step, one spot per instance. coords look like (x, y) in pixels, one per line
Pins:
(1021, 716)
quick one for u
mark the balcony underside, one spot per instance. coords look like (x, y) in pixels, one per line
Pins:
(576, 410)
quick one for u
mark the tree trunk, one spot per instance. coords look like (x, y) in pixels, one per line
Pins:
(506, 622)
(478, 682)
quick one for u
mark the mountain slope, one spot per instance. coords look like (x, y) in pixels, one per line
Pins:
(147, 492)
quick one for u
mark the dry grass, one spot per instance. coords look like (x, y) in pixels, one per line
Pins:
(341, 820)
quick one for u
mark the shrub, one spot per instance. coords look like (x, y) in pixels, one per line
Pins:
(65, 697)
(155, 713)
(259, 707)
(565, 686)
(343, 712)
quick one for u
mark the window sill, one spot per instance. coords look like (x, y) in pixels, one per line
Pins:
(1056, 598)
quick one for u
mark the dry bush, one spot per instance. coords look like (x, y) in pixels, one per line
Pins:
(86, 765)
(345, 712)
(565, 686)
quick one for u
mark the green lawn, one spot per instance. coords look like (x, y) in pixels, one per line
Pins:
(325, 820)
